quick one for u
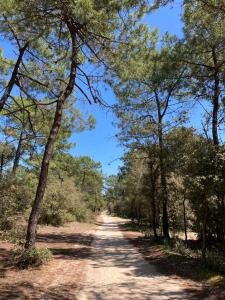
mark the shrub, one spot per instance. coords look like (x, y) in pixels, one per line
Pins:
(147, 233)
(33, 257)
(16, 234)
(15, 198)
(181, 247)
(62, 203)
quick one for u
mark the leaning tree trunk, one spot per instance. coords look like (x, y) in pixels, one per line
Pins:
(12, 80)
(165, 222)
(33, 219)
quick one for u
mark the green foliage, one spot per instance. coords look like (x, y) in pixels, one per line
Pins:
(15, 198)
(13, 232)
(33, 257)
(63, 203)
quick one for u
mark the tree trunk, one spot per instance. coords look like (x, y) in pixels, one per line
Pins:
(185, 219)
(2, 164)
(215, 113)
(32, 224)
(223, 220)
(165, 222)
(204, 229)
(154, 225)
(33, 219)
(215, 101)
(18, 154)
(13, 77)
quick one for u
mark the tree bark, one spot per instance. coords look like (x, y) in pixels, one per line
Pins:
(165, 198)
(2, 164)
(18, 154)
(185, 219)
(204, 228)
(33, 219)
(13, 77)
(215, 101)
(154, 225)
(153, 204)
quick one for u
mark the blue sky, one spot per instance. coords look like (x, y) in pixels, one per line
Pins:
(101, 143)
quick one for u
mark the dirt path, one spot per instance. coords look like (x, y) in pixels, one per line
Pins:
(116, 270)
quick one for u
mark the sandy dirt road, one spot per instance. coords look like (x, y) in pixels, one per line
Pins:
(116, 270)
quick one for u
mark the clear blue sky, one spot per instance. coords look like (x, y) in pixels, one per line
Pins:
(101, 143)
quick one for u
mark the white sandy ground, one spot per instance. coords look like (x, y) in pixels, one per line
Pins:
(116, 270)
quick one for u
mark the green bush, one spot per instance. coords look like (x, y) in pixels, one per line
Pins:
(180, 247)
(62, 203)
(15, 199)
(147, 233)
(14, 235)
(33, 257)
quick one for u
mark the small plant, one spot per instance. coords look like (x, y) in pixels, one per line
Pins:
(180, 247)
(33, 257)
(147, 233)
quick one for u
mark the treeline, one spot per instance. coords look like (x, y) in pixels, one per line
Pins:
(173, 175)
(195, 185)
(73, 193)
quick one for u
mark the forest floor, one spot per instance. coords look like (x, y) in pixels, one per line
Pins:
(97, 261)
(57, 280)
(200, 281)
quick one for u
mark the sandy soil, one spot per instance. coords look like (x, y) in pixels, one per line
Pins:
(116, 270)
(93, 263)
(57, 280)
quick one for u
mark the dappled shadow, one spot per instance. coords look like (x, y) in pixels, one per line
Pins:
(25, 290)
(171, 264)
(4, 261)
(71, 253)
(131, 290)
(81, 239)
(67, 246)
(111, 252)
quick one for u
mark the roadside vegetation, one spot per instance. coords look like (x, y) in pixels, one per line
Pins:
(170, 117)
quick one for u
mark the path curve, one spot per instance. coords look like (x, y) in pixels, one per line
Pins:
(116, 270)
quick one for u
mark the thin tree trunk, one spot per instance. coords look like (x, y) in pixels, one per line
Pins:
(165, 222)
(215, 102)
(83, 180)
(32, 223)
(2, 164)
(204, 229)
(18, 154)
(154, 226)
(13, 77)
(185, 219)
